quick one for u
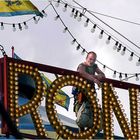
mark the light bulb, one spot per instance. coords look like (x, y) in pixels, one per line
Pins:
(57, 3)
(44, 13)
(14, 28)
(101, 34)
(138, 62)
(131, 57)
(73, 41)
(76, 14)
(120, 76)
(72, 12)
(123, 51)
(108, 40)
(126, 78)
(26, 26)
(56, 17)
(93, 28)
(104, 67)
(35, 20)
(65, 7)
(114, 74)
(20, 27)
(83, 51)
(64, 31)
(119, 47)
(137, 78)
(78, 47)
(86, 23)
(2, 26)
(80, 17)
(115, 46)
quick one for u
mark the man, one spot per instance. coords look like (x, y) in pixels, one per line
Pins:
(87, 70)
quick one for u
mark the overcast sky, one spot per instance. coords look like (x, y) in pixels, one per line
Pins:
(46, 43)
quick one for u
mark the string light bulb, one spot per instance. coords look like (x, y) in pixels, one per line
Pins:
(64, 31)
(72, 12)
(76, 14)
(65, 7)
(86, 23)
(80, 17)
(35, 20)
(123, 51)
(126, 78)
(2, 26)
(93, 28)
(78, 47)
(73, 41)
(120, 76)
(119, 47)
(25, 25)
(14, 28)
(104, 67)
(57, 3)
(108, 40)
(115, 46)
(56, 18)
(20, 27)
(44, 13)
(138, 62)
(114, 74)
(83, 51)
(137, 78)
(101, 34)
(131, 56)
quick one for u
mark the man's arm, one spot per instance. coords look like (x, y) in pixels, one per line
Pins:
(81, 70)
(100, 74)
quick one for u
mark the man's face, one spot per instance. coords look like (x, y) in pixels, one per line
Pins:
(91, 58)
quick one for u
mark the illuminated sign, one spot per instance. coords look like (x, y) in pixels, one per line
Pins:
(110, 104)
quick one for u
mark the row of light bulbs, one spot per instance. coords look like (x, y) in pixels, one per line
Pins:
(117, 46)
(107, 42)
(22, 25)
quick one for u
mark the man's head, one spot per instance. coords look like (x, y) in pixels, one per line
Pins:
(91, 58)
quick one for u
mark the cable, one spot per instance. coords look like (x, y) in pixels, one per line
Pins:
(108, 25)
(78, 42)
(124, 20)
(108, 34)
(105, 15)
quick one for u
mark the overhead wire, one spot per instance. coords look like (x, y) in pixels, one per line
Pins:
(107, 25)
(81, 46)
(81, 8)
(106, 15)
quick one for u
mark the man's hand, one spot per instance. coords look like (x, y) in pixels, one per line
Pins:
(97, 82)
(99, 76)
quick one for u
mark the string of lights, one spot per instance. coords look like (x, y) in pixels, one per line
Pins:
(24, 25)
(105, 15)
(118, 45)
(107, 24)
(84, 9)
(74, 40)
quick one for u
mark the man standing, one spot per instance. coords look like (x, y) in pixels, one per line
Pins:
(87, 69)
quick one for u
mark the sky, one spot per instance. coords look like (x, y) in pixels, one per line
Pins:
(46, 43)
